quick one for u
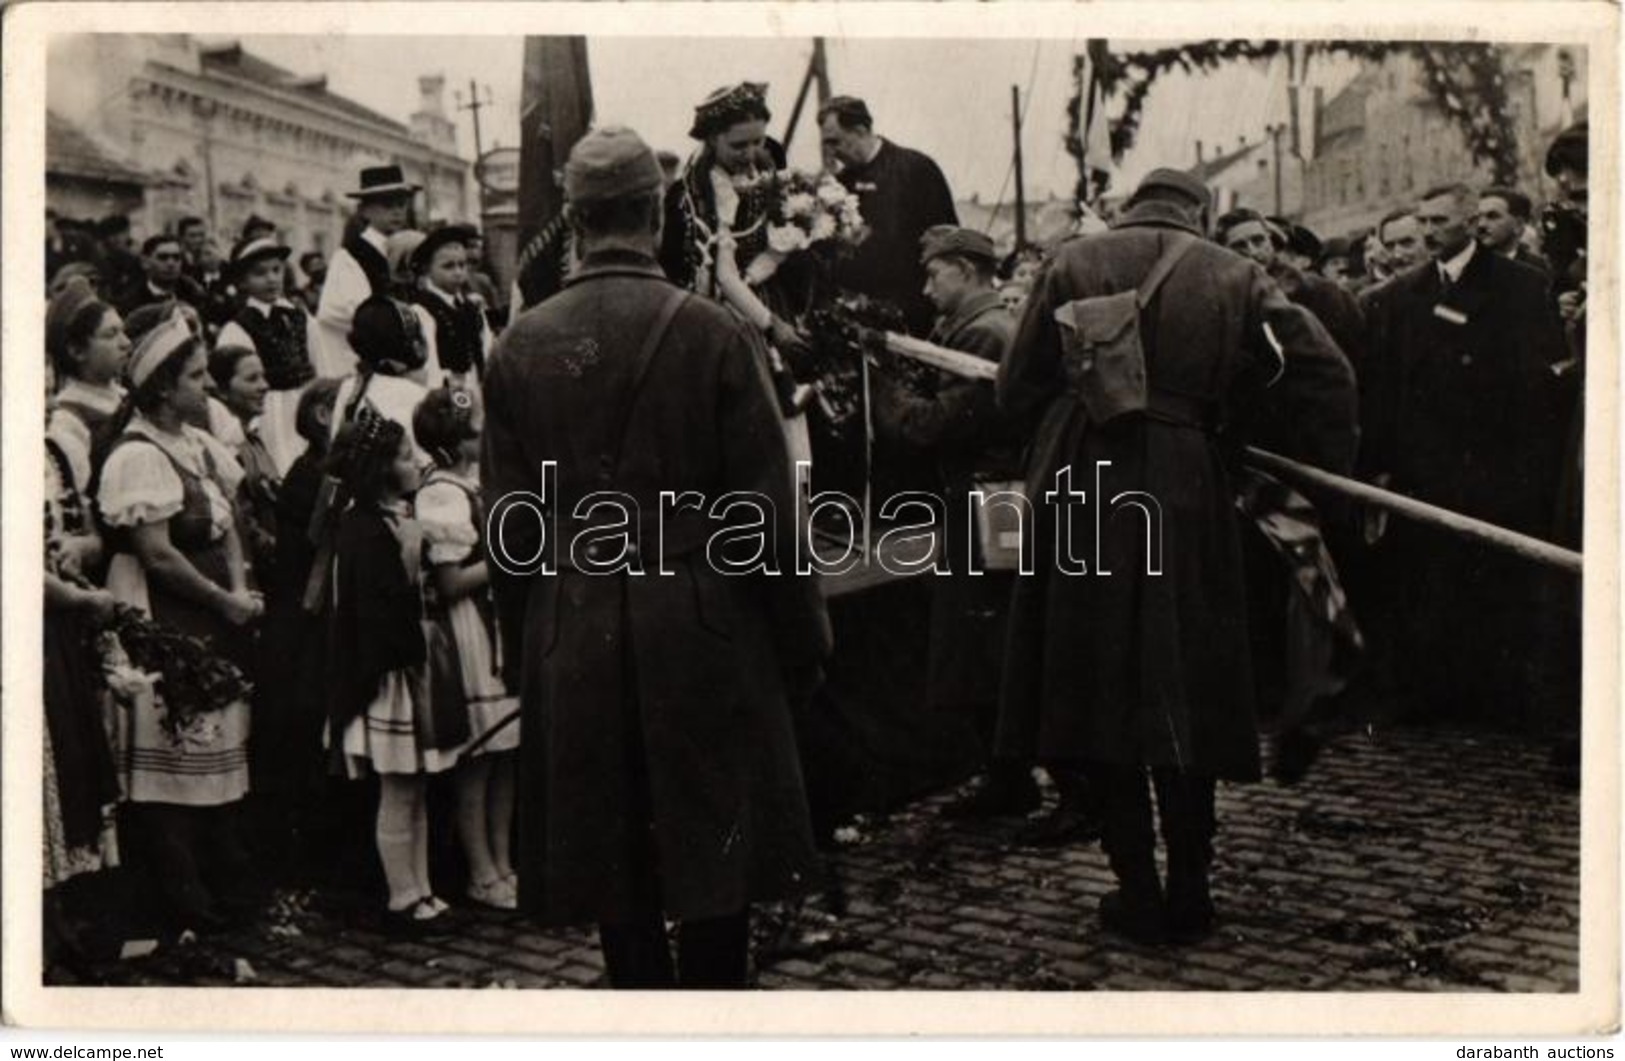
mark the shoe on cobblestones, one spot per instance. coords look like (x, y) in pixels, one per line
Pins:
(1144, 924)
(1061, 826)
(992, 800)
(497, 894)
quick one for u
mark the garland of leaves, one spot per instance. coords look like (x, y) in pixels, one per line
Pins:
(1466, 81)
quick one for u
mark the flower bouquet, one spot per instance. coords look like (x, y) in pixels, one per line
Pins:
(141, 655)
(805, 211)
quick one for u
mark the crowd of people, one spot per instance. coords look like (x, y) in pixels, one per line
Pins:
(297, 472)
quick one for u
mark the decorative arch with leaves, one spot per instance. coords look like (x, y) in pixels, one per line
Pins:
(1465, 80)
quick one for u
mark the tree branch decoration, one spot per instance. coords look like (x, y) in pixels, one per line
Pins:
(1466, 81)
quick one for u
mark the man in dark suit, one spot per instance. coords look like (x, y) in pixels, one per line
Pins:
(901, 193)
(1458, 412)
(1250, 235)
(1503, 215)
(162, 260)
(1128, 649)
(659, 776)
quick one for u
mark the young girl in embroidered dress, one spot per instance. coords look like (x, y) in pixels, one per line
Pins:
(379, 655)
(447, 424)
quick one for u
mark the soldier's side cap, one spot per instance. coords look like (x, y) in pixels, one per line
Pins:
(951, 239)
(1179, 181)
(611, 162)
(1570, 150)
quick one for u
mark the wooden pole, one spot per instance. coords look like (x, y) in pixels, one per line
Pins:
(1021, 196)
(1529, 548)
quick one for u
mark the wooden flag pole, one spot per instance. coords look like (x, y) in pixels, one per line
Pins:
(1530, 548)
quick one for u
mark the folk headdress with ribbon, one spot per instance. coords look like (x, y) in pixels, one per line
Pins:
(696, 201)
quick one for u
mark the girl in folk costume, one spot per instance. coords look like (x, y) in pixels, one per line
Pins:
(449, 508)
(393, 371)
(165, 492)
(278, 331)
(378, 717)
(239, 378)
(85, 339)
(453, 317)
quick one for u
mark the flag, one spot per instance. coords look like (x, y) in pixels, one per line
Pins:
(1303, 102)
(555, 112)
(1096, 138)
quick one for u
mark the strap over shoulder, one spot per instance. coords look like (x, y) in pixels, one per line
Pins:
(1182, 245)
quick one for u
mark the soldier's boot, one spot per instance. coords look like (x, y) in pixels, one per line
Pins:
(1186, 806)
(1135, 910)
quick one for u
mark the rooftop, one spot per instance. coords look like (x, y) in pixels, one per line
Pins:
(71, 152)
(229, 58)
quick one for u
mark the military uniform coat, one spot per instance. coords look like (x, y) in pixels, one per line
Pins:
(1126, 667)
(674, 682)
(962, 428)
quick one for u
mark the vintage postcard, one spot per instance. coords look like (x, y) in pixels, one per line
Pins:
(1036, 518)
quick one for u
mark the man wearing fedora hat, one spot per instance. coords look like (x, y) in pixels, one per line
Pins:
(360, 267)
(1128, 650)
(658, 778)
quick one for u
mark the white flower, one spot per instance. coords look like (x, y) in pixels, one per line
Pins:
(831, 192)
(823, 228)
(786, 239)
(799, 205)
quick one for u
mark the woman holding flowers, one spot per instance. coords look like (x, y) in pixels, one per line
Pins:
(165, 493)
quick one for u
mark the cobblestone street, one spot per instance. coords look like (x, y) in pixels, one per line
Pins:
(1430, 860)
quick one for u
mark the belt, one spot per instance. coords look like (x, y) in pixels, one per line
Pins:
(676, 534)
(1181, 410)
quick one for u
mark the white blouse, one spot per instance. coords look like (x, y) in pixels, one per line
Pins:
(140, 485)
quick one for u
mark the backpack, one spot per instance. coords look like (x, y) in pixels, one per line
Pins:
(1102, 355)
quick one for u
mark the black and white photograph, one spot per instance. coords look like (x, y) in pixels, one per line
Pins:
(1068, 509)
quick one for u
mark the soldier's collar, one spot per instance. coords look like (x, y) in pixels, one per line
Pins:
(617, 261)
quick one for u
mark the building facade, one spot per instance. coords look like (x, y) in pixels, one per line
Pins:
(219, 133)
(1383, 141)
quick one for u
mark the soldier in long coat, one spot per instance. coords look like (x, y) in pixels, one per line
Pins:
(961, 428)
(1121, 668)
(659, 776)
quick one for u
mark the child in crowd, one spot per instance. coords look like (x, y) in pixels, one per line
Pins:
(453, 318)
(380, 721)
(448, 507)
(279, 331)
(393, 368)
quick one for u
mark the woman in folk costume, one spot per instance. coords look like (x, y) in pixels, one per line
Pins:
(453, 318)
(450, 510)
(279, 331)
(85, 339)
(716, 229)
(239, 379)
(165, 493)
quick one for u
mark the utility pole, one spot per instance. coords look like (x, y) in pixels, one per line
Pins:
(474, 106)
(1275, 132)
(1021, 195)
(817, 75)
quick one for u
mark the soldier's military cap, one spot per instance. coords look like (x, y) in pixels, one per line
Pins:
(939, 240)
(611, 162)
(1179, 181)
